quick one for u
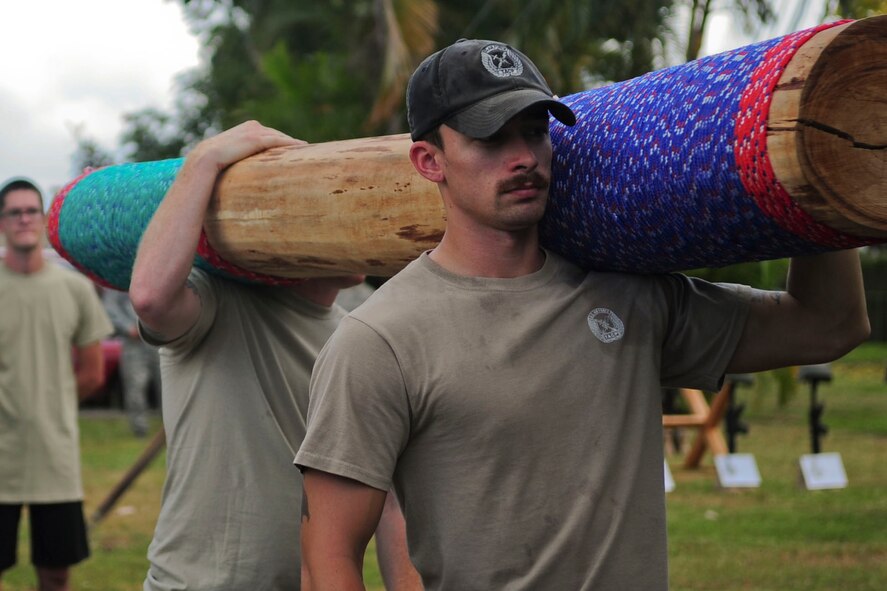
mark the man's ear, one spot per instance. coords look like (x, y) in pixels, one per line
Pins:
(426, 158)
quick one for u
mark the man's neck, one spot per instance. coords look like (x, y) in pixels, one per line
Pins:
(495, 254)
(315, 291)
(24, 262)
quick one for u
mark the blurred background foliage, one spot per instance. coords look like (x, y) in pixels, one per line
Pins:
(338, 69)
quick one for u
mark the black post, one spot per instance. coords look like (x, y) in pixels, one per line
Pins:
(669, 407)
(154, 446)
(734, 425)
(815, 374)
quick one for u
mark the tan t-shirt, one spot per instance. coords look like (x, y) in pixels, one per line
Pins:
(42, 316)
(520, 419)
(235, 395)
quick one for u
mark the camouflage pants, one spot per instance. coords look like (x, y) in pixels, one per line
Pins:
(139, 365)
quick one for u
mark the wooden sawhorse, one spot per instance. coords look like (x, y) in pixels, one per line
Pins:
(705, 419)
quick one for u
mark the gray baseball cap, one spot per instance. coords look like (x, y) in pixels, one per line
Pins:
(476, 86)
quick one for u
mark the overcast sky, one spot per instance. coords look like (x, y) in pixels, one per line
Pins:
(84, 63)
(68, 63)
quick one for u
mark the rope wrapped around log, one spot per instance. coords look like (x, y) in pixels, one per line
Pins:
(772, 150)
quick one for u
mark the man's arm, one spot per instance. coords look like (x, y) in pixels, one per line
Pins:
(89, 370)
(398, 572)
(339, 516)
(164, 303)
(820, 317)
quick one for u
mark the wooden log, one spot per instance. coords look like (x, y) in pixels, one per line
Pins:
(355, 205)
(773, 150)
(359, 206)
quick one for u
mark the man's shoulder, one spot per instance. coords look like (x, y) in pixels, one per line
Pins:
(401, 291)
(221, 285)
(69, 276)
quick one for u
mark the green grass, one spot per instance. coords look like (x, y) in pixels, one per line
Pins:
(119, 543)
(777, 537)
(781, 536)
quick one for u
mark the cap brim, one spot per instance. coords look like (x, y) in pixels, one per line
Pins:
(486, 117)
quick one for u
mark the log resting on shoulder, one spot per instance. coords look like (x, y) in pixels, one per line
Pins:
(792, 161)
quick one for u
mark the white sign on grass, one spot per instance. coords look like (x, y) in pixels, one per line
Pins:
(737, 471)
(669, 481)
(822, 471)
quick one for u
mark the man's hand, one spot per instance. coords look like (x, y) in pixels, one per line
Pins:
(237, 143)
(158, 290)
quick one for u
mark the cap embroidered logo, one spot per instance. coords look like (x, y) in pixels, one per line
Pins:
(501, 61)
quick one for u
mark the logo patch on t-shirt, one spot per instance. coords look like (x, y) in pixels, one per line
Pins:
(605, 325)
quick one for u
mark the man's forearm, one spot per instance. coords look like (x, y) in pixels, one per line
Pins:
(820, 317)
(87, 385)
(89, 369)
(339, 517)
(397, 570)
(167, 248)
(338, 575)
(830, 285)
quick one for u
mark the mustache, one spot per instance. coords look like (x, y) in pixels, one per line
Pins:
(535, 179)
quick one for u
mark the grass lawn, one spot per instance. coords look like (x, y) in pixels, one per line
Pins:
(777, 537)
(781, 536)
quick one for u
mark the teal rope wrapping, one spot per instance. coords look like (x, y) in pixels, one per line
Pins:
(97, 222)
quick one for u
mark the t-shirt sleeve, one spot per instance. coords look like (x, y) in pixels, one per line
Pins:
(705, 324)
(358, 415)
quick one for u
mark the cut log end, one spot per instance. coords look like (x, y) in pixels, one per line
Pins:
(828, 140)
(842, 130)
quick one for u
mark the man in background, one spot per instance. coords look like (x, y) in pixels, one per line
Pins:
(45, 311)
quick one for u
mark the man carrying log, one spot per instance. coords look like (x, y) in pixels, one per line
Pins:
(510, 398)
(236, 361)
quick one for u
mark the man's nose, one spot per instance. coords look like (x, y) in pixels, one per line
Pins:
(523, 154)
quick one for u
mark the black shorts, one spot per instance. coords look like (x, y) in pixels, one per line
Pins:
(58, 534)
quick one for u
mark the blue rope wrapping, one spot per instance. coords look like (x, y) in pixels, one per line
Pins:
(647, 180)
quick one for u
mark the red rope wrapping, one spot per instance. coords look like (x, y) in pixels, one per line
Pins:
(211, 256)
(54, 236)
(752, 158)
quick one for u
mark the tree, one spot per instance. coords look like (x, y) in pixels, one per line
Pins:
(338, 69)
(576, 42)
(310, 68)
(750, 13)
(89, 153)
(150, 135)
(855, 8)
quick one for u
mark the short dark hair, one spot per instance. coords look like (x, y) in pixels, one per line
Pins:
(434, 137)
(17, 185)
